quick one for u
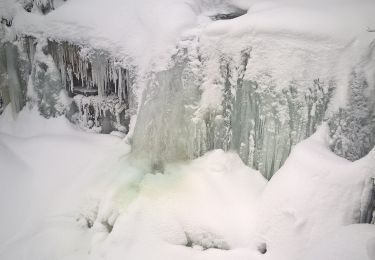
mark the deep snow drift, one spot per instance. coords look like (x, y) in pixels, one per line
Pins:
(98, 204)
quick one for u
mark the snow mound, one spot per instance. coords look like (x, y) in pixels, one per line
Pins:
(86, 187)
(56, 180)
(312, 195)
(29, 122)
(183, 212)
(41, 162)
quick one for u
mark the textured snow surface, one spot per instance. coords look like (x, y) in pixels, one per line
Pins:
(42, 163)
(72, 195)
(312, 195)
(147, 31)
(140, 29)
(291, 41)
(347, 243)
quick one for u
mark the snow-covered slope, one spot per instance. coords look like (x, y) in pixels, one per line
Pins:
(42, 163)
(96, 203)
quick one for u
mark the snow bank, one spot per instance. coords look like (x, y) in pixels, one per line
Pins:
(158, 216)
(147, 31)
(348, 243)
(59, 181)
(29, 122)
(314, 194)
(56, 180)
(187, 206)
(41, 162)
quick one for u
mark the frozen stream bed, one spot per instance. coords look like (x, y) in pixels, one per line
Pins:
(66, 194)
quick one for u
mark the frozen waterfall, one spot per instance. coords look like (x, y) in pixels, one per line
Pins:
(255, 118)
(258, 97)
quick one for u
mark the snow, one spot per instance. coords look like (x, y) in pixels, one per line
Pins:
(293, 41)
(65, 194)
(312, 195)
(147, 31)
(29, 123)
(350, 242)
(33, 173)
(187, 202)
(147, 28)
(44, 195)
(56, 180)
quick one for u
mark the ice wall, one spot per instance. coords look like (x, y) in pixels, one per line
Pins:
(232, 98)
(45, 89)
(4, 96)
(13, 70)
(49, 74)
(352, 128)
(257, 97)
(230, 85)
(101, 85)
(166, 129)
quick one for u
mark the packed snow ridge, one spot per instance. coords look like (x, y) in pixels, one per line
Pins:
(187, 129)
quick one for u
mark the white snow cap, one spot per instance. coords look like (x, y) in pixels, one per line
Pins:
(148, 30)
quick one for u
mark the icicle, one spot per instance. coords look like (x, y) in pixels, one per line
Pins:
(94, 70)
(71, 81)
(97, 109)
(14, 82)
(120, 86)
(250, 159)
(126, 88)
